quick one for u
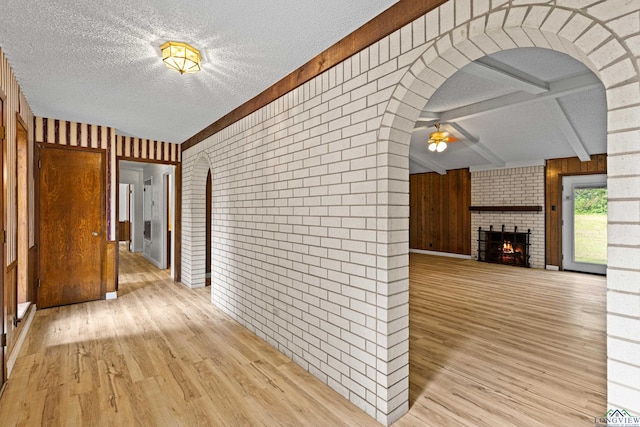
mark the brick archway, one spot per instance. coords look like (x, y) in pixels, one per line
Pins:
(193, 232)
(611, 58)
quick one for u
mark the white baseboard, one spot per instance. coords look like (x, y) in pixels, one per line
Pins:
(447, 254)
(111, 295)
(152, 261)
(31, 313)
(192, 286)
(552, 267)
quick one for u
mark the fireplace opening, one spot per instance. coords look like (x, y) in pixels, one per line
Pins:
(504, 247)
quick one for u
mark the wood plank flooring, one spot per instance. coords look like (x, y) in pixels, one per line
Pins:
(490, 345)
(494, 345)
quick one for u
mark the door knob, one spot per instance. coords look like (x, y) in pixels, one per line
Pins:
(94, 234)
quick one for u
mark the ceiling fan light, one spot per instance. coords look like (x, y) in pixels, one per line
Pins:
(438, 140)
(439, 135)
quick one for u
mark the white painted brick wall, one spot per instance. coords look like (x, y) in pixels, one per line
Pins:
(296, 240)
(310, 189)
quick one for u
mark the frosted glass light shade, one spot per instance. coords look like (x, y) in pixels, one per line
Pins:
(181, 57)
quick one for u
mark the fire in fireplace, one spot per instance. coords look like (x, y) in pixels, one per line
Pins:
(504, 247)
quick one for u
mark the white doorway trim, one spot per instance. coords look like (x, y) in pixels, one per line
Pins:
(569, 185)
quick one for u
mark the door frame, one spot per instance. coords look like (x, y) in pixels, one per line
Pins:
(131, 200)
(569, 184)
(39, 146)
(3, 193)
(176, 219)
(168, 213)
(22, 153)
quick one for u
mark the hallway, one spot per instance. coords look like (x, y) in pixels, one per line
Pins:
(490, 345)
(159, 354)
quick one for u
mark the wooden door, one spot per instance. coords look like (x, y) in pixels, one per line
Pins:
(72, 232)
(3, 317)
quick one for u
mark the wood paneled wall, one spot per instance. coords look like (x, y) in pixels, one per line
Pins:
(16, 108)
(556, 169)
(109, 267)
(15, 105)
(33, 273)
(10, 305)
(440, 219)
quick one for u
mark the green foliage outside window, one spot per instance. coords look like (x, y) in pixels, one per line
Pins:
(590, 201)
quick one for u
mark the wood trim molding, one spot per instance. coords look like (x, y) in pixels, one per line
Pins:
(177, 249)
(537, 208)
(392, 19)
(143, 160)
(109, 267)
(554, 171)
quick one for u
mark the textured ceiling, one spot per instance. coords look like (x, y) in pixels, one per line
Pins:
(99, 61)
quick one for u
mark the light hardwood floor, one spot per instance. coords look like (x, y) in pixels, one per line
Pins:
(495, 345)
(490, 345)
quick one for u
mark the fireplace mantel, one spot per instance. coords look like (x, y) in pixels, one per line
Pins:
(536, 208)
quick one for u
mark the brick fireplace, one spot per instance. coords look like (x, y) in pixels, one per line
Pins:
(518, 191)
(510, 247)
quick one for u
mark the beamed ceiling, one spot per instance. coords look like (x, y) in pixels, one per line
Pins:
(515, 107)
(99, 62)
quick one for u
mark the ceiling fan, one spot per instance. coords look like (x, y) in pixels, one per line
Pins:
(438, 140)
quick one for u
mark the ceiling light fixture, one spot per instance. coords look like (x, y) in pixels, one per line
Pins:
(181, 57)
(438, 140)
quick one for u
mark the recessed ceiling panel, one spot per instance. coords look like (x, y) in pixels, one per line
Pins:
(545, 64)
(464, 89)
(587, 113)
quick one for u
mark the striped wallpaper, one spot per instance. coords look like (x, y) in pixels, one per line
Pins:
(136, 148)
(60, 132)
(15, 103)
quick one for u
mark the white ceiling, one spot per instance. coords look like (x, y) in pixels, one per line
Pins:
(515, 107)
(99, 62)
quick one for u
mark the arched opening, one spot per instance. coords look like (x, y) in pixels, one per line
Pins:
(196, 234)
(507, 115)
(453, 50)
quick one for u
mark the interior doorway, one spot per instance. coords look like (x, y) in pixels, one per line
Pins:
(475, 106)
(150, 205)
(584, 223)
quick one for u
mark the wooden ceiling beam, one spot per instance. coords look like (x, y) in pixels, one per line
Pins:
(568, 86)
(429, 164)
(475, 144)
(392, 19)
(498, 72)
(568, 131)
